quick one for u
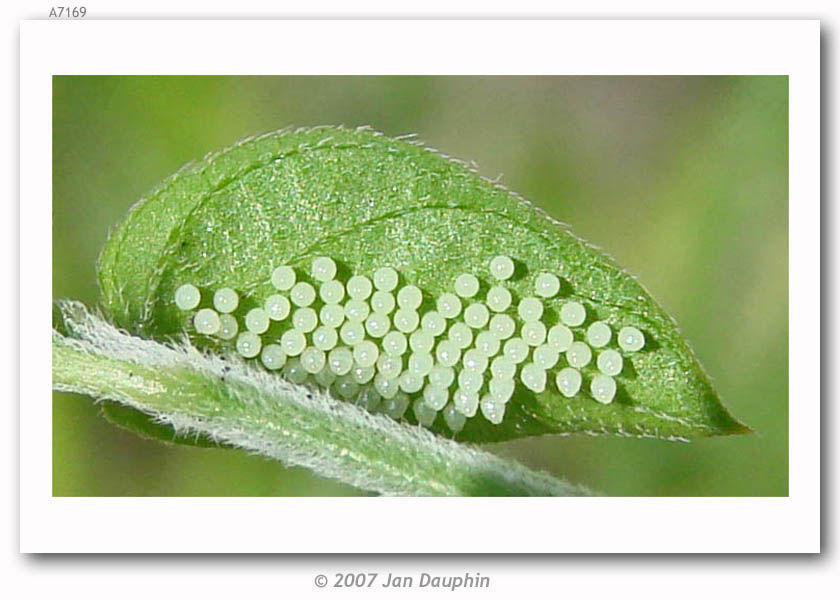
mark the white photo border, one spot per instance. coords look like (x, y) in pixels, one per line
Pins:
(542, 525)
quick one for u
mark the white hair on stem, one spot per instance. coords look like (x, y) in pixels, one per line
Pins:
(247, 407)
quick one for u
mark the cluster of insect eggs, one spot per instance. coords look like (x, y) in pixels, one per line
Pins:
(369, 341)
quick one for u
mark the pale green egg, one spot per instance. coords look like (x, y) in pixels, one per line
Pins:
(362, 375)
(325, 338)
(331, 292)
(228, 327)
(302, 294)
(377, 324)
(492, 409)
(441, 376)
(283, 278)
(207, 322)
(631, 339)
(406, 320)
(395, 407)
(257, 320)
(365, 353)
(273, 357)
(421, 341)
(603, 388)
(424, 413)
(187, 297)
(530, 309)
(370, 400)
(248, 344)
(476, 360)
(502, 389)
(501, 267)
(578, 355)
(325, 377)
(385, 279)
(323, 268)
(386, 386)
(454, 419)
(410, 296)
(395, 343)
(331, 315)
(340, 360)
(461, 335)
(435, 397)
(305, 319)
(568, 381)
(389, 366)
(466, 285)
(503, 367)
(278, 307)
(470, 380)
(573, 314)
(225, 300)
(448, 305)
(382, 302)
(533, 332)
(359, 287)
(293, 342)
(516, 350)
(345, 387)
(448, 353)
(313, 360)
(434, 323)
(476, 315)
(502, 326)
(545, 356)
(294, 371)
(546, 285)
(465, 402)
(410, 382)
(533, 377)
(356, 310)
(499, 299)
(420, 363)
(351, 333)
(560, 337)
(598, 334)
(610, 362)
(488, 343)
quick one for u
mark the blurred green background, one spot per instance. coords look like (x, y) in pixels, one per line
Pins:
(682, 179)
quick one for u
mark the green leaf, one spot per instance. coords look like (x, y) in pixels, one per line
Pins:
(369, 201)
(147, 427)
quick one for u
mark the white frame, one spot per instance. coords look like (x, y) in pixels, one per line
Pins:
(530, 47)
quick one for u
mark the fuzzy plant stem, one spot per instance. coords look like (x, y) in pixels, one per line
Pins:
(243, 406)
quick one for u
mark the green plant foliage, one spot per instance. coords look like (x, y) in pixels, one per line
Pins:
(145, 426)
(369, 201)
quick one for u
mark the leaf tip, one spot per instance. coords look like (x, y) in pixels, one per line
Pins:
(722, 423)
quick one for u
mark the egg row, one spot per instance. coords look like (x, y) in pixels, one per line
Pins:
(362, 329)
